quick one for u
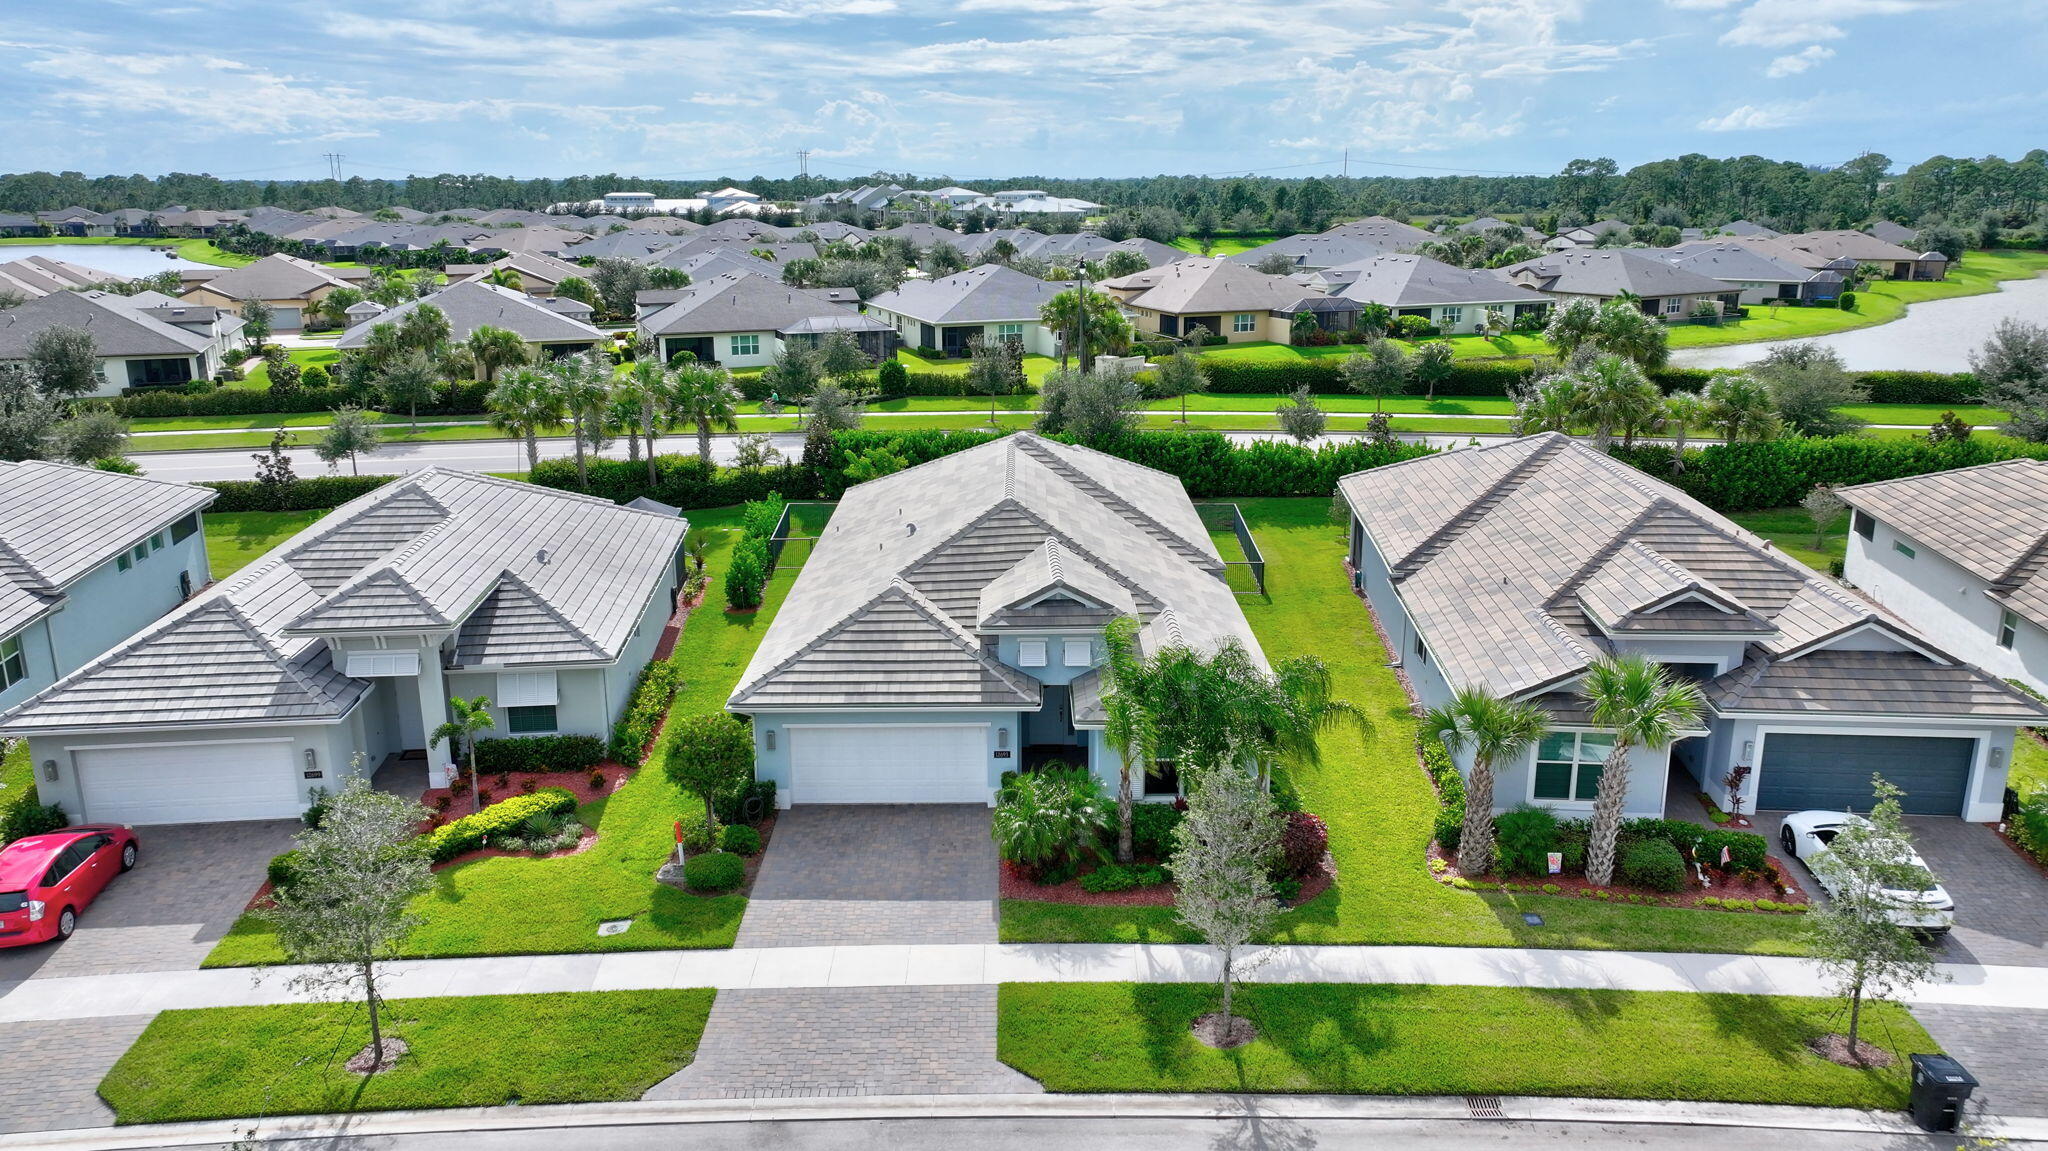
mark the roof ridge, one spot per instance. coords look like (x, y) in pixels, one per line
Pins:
(1095, 489)
(284, 664)
(9, 553)
(1459, 524)
(546, 607)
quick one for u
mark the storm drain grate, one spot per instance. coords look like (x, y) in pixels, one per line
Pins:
(1484, 1106)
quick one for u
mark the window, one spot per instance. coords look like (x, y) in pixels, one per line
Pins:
(743, 345)
(156, 542)
(1421, 650)
(1244, 322)
(152, 373)
(183, 529)
(1451, 317)
(1696, 672)
(1077, 653)
(1904, 549)
(140, 551)
(1674, 306)
(1030, 653)
(1163, 779)
(122, 562)
(1864, 523)
(1568, 766)
(1009, 331)
(13, 666)
(2008, 630)
(536, 720)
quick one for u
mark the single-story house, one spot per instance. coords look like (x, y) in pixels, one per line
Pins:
(291, 286)
(988, 301)
(641, 244)
(1585, 237)
(1384, 233)
(1894, 233)
(1513, 567)
(175, 221)
(1960, 556)
(1755, 274)
(91, 558)
(1454, 299)
(1899, 263)
(737, 320)
(772, 251)
(348, 640)
(550, 327)
(39, 275)
(76, 221)
(948, 625)
(538, 274)
(1223, 297)
(1747, 228)
(1601, 274)
(19, 224)
(144, 340)
(1312, 252)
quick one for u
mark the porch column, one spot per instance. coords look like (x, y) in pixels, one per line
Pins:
(433, 699)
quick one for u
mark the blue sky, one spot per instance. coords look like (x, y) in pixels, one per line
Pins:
(988, 88)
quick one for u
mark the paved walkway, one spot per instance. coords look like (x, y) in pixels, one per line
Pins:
(53, 1070)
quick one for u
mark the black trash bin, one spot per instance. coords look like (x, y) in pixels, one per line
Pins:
(1940, 1088)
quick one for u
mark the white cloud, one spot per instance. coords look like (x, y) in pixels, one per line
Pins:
(1701, 5)
(1756, 118)
(1799, 61)
(1783, 23)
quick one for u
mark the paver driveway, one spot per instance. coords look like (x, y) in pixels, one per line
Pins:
(190, 883)
(901, 873)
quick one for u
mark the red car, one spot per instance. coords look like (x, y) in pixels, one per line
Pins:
(46, 880)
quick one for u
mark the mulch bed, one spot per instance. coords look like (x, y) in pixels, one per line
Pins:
(1016, 886)
(1834, 1047)
(766, 827)
(365, 1061)
(1575, 886)
(1223, 1033)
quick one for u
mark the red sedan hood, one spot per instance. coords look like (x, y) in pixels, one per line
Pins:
(25, 860)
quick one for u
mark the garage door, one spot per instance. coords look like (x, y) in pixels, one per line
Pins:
(189, 783)
(889, 763)
(1833, 771)
(285, 319)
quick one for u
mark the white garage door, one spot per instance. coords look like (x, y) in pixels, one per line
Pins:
(889, 763)
(286, 319)
(189, 783)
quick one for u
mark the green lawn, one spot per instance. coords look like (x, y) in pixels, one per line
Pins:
(1224, 245)
(1380, 807)
(257, 378)
(481, 1051)
(1792, 530)
(191, 251)
(235, 539)
(1414, 1040)
(2029, 764)
(17, 777)
(514, 906)
(1035, 366)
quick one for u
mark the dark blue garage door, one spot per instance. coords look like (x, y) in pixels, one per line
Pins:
(1833, 771)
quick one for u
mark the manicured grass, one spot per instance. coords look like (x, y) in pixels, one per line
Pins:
(235, 539)
(1035, 366)
(1411, 1040)
(481, 1051)
(511, 906)
(257, 378)
(1921, 416)
(1792, 530)
(264, 421)
(1224, 245)
(2029, 764)
(192, 250)
(17, 777)
(1379, 806)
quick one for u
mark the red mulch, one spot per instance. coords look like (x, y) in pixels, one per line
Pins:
(673, 629)
(1016, 886)
(505, 786)
(753, 864)
(1573, 886)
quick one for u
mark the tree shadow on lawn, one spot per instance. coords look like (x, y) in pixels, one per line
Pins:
(1763, 1021)
(1593, 1007)
(1324, 1036)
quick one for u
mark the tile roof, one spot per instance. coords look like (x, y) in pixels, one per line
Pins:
(1609, 272)
(1203, 284)
(59, 522)
(987, 293)
(1310, 251)
(274, 277)
(1727, 261)
(739, 302)
(1883, 683)
(1400, 281)
(1991, 519)
(472, 304)
(119, 325)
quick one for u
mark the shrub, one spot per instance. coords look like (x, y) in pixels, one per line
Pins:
(308, 493)
(759, 517)
(714, 872)
(30, 816)
(652, 694)
(892, 378)
(1152, 827)
(1048, 821)
(2029, 825)
(316, 813)
(1747, 851)
(1117, 877)
(739, 839)
(1846, 301)
(1573, 837)
(282, 870)
(697, 836)
(1527, 837)
(1413, 328)
(1450, 790)
(748, 804)
(1654, 864)
(1303, 840)
(746, 574)
(539, 753)
(507, 818)
(1779, 473)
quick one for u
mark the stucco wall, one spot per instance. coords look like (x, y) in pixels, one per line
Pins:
(332, 746)
(1747, 740)
(1946, 603)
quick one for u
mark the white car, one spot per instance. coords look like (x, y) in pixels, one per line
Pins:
(1806, 835)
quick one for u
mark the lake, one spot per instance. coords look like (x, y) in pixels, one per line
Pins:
(131, 260)
(1933, 336)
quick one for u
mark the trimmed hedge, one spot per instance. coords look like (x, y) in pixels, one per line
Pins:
(714, 872)
(539, 753)
(1450, 790)
(310, 493)
(1496, 378)
(1778, 473)
(652, 693)
(505, 817)
(460, 398)
(29, 815)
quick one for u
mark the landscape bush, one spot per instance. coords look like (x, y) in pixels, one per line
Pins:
(652, 693)
(739, 839)
(1303, 840)
(746, 804)
(282, 870)
(506, 818)
(714, 872)
(1745, 477)
(1527, 835)
(310, 493)
(1654, 864)
(1118, 877)
(1152, 827)
(30, 816)
(539, 753)
(1747, 851)
(746, 574)
(1450, 791)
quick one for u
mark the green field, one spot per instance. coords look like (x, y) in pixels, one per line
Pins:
(191, 251)
(235, 539)
(1792, 530)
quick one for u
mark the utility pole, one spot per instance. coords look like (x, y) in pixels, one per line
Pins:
(1082, 323)
(334, 160)
(803, 167)
(1347, 163)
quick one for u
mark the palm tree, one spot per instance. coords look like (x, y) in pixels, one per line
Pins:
(1624, 330)
(704, 397)
(1614, 395)
(581, 385)
(1683, 411)
(1572, 325)
(424, 328)
(1496, 731)
(1740, 407)
(1553, 406)
(493, 348)
(653, 385)
(1127, 725)
(472, 718)
(382, 345)
(505, 277)
(523, 403)
(625, 408)
(1644, 707)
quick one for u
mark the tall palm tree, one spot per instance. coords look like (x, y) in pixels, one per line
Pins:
(653, 386)
(704, 397)
(1495, 731)
(1644, 707)
(492, 349)
(582, 385)
(1683, 411)
(472, 718)
(523, 403)
(505, 277)
(382, 345)
(1740, 407)
(424, 328)
(1614, 395)
(1127, 726)
(625, 408)
(1624, 330)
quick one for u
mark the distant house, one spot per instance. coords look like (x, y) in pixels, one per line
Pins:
(1963, 556)
(1757, 275)
(1222, 297)
(20, 224)
(1664, 291)
(538, 275)
(1585, 237)
(76, 221)
(1747, 228)
(1894, 233)
(291, 286)
(92, 558)
(550, 327)
(36, 275)
(1453, 299)
(144, 340)
(1863, 248)
(1314, 252)
(195, 222)
(1384, 234)
(740, 320)
(987, 302)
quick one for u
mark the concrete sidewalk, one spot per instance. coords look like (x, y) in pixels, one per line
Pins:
(956, 965)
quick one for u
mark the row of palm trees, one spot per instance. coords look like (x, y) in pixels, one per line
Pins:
(599, 403)
(1610, 396)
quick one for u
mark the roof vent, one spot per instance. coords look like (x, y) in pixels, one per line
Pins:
(910, 529)
(541, 556)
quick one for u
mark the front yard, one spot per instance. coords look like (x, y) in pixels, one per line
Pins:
(1413, 1040)
(481, 1051)
(1380, 807)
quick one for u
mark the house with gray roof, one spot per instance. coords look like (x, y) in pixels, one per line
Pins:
(538, 275)
(34, 276)
(1455, 300)
(144, 340)
(292, 287)
(1314, 252)
(1898, 263)
(342, 646)
(987, 302)
(1513, 567)
(1587, 235)
(1892, 232)
(1962, 555)
(1756, 274)
(87, 559)
(1747, 228)
(636, 243)
(1220, 296)
(550, 327)
(1601, 274)
(739, 320)
(948, 625)
(1384, 233)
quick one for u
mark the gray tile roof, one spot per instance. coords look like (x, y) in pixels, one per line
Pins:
(1400, 281)
(472, 304)
(739, 303)
(59, 522)
(525, 575)
(535, 270)
(1893, 233)
(985, 294)
(1321, 251)
(1747, 228)
(1882, 683)
(1202, 284)
(1731, 262)
(275, 277)
(1053, 587)
(1609, 272)
(1522, 561)
(906, 559)
(1390, 235)
(1850, 245)
(119, 325)
(1991, 520)
(634, 244)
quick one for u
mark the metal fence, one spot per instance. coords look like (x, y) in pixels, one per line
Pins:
(1228, 517)
(780, 537)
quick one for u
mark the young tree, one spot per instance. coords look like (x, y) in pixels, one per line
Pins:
(1739, 408)
(1683, 411)
(1621, 329)
(1823, 507)
(256, 318)
(1093, 407)
(409, 381)
(351, 432)
(1299, 416)
(1180, 374)
(1809, 385)
(755, 452)
(2012, 371)
(834, 410)
(995, 369)
(1222, 850)
(713, 755)
(493, 349)
(842, 361)
(617, 281)
(1431, 365)
(578, 289)
(471, 718)
(1374, 319)
(1377, 371)
(65, 361)
(274, 474)
(703, 397)
(1107, 328)
(1643, 706)
(94, 433)
(1615, 396)
(1275, 264)
(27, 413)
(1856, 939)
(345, 910)
(1495, 731)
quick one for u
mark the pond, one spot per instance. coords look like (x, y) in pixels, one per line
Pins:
(121, 259)
(1933, 336)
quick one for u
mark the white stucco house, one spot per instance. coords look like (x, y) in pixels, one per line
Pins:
(144, 340)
